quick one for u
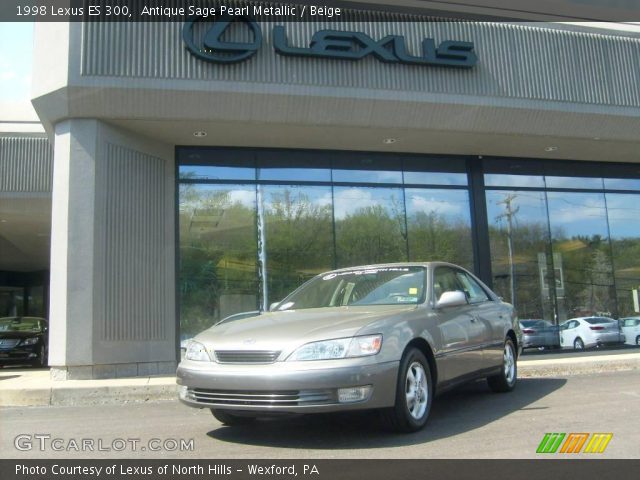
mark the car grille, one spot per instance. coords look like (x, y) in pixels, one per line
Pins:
(9, 343)
(246, 356)
(262, 398)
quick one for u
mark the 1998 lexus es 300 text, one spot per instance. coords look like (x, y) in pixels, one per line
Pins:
(384, 337)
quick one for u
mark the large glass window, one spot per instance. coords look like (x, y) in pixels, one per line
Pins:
(520, 251)
(624, 224)
(298, 236)
(255, 225)
(580, 237)
(439, 226)
(370, 225)
(218, 254)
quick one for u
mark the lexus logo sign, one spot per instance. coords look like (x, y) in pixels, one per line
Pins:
(335, 44)
(214, 49)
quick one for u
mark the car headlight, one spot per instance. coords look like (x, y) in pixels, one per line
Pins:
(197, 352)
(30, 341)
(338, 348)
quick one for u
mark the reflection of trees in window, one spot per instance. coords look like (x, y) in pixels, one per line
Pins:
(217, 254)
(439, 226)
(581, 236)
(433, 236)
(529, 239)
(299, 236)
(588, 275)
(624, 212)
(372, 234)
(626, 259)
(518, 235)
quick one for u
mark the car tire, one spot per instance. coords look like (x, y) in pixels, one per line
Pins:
(231, 420)
(414, 394)
(41, 361)
(506, 380)
(638, 340)
(578, 344)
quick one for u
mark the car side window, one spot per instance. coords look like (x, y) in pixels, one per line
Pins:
(474, 292)
(444, 280)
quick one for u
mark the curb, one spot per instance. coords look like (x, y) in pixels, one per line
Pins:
(67, 395)
(576, 366)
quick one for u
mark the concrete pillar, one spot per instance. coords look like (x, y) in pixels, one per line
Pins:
(112, 297)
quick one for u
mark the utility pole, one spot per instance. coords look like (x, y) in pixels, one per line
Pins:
(509, 215)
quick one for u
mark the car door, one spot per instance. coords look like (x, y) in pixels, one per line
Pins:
(568, 333)
(460, 332)
(489, 320)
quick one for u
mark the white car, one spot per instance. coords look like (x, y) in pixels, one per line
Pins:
(631, 330)
(585, 332)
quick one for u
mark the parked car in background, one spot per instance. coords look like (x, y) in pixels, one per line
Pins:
(385, 337)
(539, 334)
(585, 332)
(631, 330)
(23, 340)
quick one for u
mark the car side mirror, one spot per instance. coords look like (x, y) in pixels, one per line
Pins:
(451, 299)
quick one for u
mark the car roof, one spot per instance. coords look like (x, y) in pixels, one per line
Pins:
(590, 316)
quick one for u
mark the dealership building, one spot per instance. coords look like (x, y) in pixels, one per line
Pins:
(181, 172)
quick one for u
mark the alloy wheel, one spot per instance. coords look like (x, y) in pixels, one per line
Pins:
(509, 363)
(416, 390)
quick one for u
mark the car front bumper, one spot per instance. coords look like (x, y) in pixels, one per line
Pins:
(23, 355)
(305, 387)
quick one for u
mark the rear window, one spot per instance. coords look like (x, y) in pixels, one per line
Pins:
(596, 320)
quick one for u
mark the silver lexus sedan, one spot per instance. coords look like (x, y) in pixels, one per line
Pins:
(386, 337)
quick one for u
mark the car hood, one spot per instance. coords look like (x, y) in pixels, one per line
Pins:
(287, 330)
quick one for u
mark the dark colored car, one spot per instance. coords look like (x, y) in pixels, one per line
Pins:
(23, 341)
(539, 334)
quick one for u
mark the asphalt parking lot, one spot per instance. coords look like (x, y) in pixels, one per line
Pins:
(470, 422)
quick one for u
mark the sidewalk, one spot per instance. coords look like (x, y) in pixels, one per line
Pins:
(28, 387)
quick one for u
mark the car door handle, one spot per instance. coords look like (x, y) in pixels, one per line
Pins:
(474, 319)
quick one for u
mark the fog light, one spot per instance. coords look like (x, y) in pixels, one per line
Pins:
(354, 394)
(182, 391)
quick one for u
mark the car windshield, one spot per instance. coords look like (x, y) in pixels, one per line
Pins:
(20, 324)
(375, 286)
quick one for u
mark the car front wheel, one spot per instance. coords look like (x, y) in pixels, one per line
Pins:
(414, 392)
(41, 361)
(505, 381)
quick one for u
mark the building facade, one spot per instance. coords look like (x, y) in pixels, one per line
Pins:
(189, 184)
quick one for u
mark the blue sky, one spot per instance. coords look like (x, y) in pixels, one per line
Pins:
(16, 51)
